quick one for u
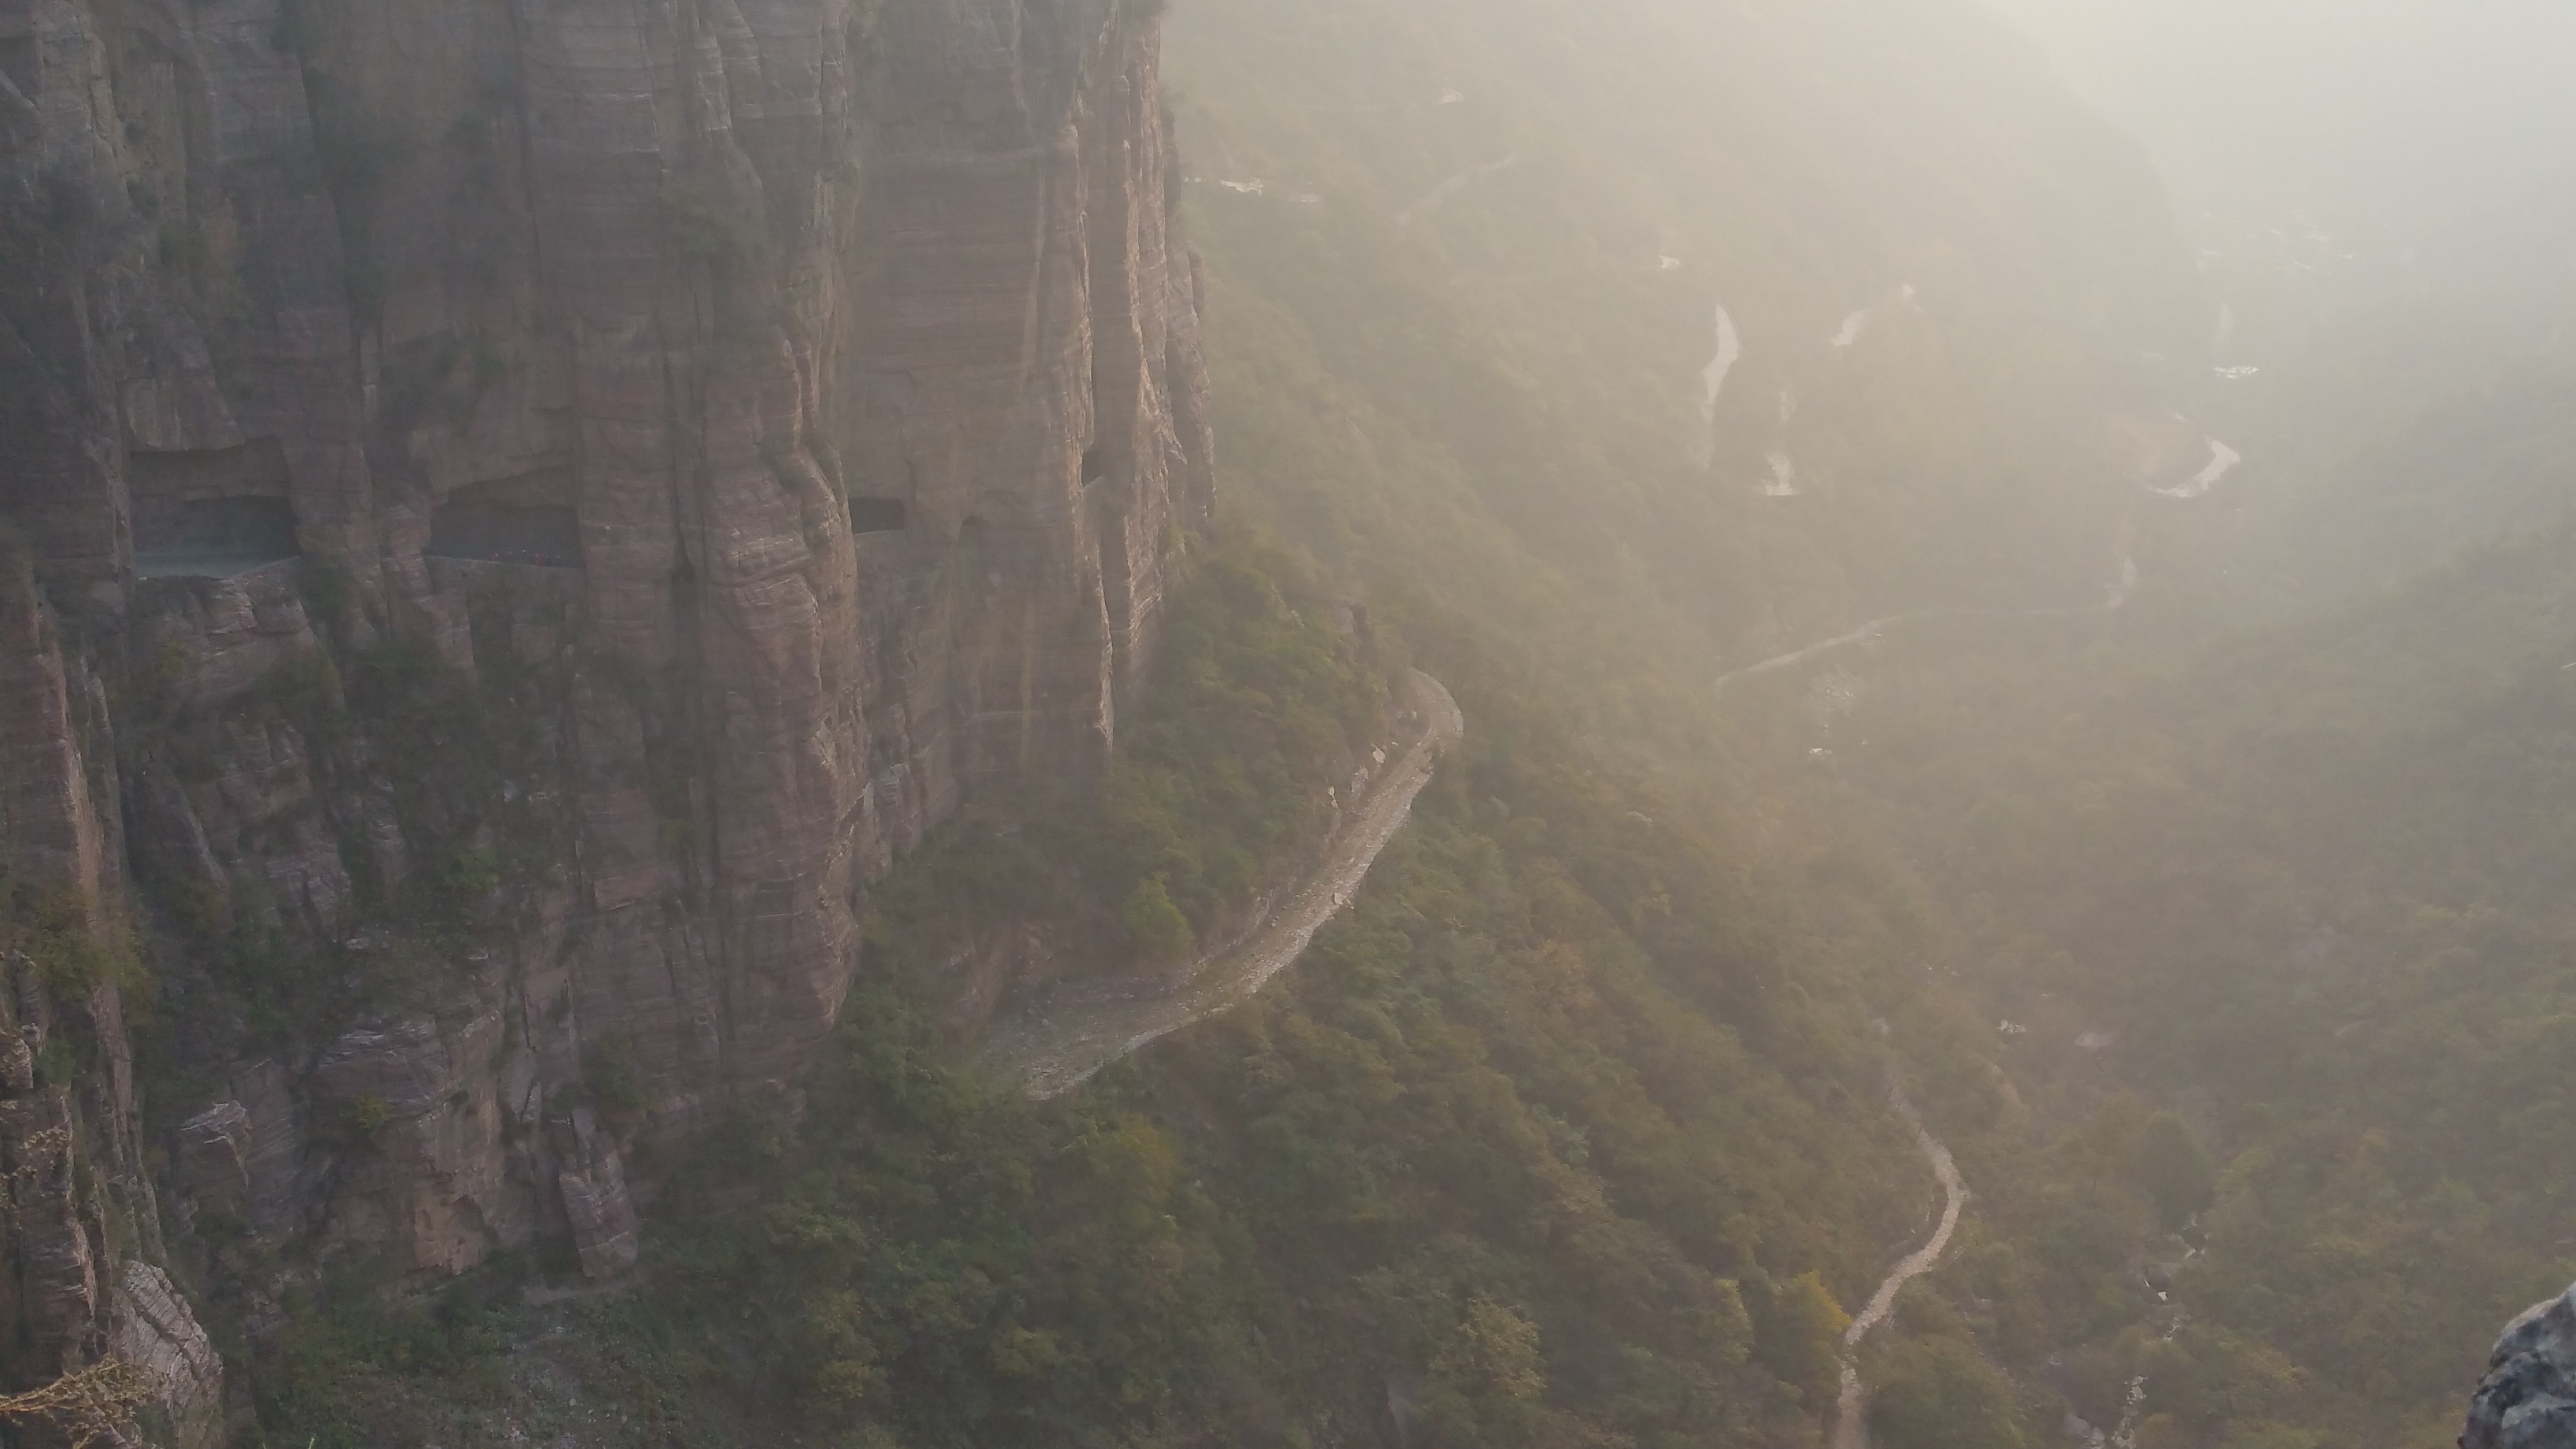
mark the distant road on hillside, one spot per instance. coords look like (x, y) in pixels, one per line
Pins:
(2113, 600)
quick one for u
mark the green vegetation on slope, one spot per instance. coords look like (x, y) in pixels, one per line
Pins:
(1487, 1154)
(1258, 709)
(1267, 695)
(1573, 1132)
(2307, 886)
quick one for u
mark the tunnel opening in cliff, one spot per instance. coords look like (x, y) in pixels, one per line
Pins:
(879, 515)
(211, 513)
(1095, 464)
(528, 521)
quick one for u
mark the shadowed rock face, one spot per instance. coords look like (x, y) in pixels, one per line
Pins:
(676, 279)
(2528, 1398)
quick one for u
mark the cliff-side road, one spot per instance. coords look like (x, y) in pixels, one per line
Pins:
(1058, 1048)
(1851, 1430)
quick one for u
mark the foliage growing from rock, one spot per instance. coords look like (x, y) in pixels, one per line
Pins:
(72, 943)
(613, 1077)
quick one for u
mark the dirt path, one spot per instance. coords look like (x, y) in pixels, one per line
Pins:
(1059, 1048)
(1441, 193)
(1851, 1428)
(2115, 598)
(1866, 631)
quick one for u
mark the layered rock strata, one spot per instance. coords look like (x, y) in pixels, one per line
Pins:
(524, 510)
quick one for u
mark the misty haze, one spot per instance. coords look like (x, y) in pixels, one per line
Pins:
(1287, 724)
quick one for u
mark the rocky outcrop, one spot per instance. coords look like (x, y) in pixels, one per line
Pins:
(158, 1334)
(2528, 1398)
(527, 509)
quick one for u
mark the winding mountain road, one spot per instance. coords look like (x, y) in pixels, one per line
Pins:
(2117, 596)
(1439, 195)
(1055, 1049)
(1851, 1426)
(1866, 631)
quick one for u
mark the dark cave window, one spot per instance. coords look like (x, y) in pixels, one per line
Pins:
(877, 515)
(1095, 464)
(547, 535)
(211, 537)
(212, 513)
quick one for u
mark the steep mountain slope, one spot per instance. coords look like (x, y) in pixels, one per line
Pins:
(850, 352)
(1940, 282)
(2268, 890)
(1576, 1132)
(2305, 886)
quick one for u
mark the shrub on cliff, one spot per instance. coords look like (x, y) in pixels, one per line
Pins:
(1261, 705)
(73, 942)
(1161, 933)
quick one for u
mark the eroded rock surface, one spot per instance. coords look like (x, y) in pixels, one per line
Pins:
(158, 1334)
(2528, 1398)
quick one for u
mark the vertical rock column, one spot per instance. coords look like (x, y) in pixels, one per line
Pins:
(78, 1223)
(602, 82)
(57, 820)
(717, 550)
(967, 377)
(1148, 470)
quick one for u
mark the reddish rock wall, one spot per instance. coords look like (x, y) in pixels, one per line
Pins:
(701, 271)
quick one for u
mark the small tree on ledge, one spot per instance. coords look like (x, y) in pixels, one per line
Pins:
(87, 1406)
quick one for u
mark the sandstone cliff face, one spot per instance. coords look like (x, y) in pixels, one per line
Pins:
(773, 414)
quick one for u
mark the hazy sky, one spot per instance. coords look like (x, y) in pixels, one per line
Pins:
(2394, 116)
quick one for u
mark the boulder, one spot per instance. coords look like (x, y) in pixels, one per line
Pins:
(2528, 1398)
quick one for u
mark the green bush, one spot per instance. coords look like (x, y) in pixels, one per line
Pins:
(72, 943)
(1941, 1394)
(1799, 1334)
(1160, 932)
